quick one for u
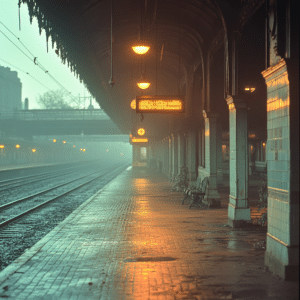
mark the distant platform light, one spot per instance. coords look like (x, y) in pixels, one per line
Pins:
(17, 146)
(159, 104)
(133, 104)
(141, 131)
(74, 146)
(33, 150)
(83, 149)
(251, 89)
(54, 140)
(1, 146)
(64, 142)
(252, 135)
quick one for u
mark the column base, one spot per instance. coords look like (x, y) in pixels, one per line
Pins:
(238, 217)
(213, 199)
(282, 260)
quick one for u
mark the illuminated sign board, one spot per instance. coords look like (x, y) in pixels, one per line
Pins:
(159, 104)
(139, 140)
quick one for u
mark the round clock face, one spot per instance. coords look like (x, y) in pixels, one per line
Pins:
(141, 131)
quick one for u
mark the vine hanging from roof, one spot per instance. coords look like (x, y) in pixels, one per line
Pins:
(64, 47)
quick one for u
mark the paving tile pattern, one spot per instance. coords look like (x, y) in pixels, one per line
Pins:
(133, 240)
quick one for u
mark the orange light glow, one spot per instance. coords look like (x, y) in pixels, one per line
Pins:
(251, 135)
(140, 49)
(264, 144)
(251, 89)
(83, 149)
(133, 104)
(1, 146)
(64, 142)
(17, 146)
(155, 105)
(33, 150)
(231, 106)
(276, 104)
(143, 85)
(54, 141)
(137, 140)
(141, 131)
(74, 146)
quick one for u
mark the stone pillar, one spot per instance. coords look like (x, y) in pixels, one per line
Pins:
(210, 119)
(174, 155)
(219, 155)
(282, 251)
(181, 151)
(192, 155)
(238, 209)
(170, 146)
(135, 155)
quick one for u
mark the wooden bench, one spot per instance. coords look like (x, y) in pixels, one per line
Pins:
(196, 193)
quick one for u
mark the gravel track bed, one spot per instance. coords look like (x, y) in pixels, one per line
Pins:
(21, 235)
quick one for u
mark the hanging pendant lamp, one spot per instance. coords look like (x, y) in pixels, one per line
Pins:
(141, 46)
(143, 83)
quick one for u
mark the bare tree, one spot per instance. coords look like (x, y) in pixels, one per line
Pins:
(57, 99)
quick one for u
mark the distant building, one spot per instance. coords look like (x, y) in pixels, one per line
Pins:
(10, 91)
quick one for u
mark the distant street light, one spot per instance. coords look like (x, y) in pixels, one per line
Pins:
(33, 150)
(17, 146)
(54, 141)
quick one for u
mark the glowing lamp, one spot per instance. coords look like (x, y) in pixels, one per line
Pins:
(64, 142)
(143, 84)
(251, 89)
(141, 131)
(17, 146)
(1, 146)
(33, 150)
(54, 141)
(141, 47)
(74, 146)
(133, 104)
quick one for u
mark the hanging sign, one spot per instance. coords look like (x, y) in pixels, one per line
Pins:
(138, 141)
(159, 104)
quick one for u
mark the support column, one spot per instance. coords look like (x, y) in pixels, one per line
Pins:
(135, 155)
(282, 251)
(213, 197)
(192, 155)
(174, 155)
(238, 209)
(219, 155)
(181, 151)
(170, 166)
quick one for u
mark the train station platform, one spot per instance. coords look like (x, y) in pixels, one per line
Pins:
(134, 240)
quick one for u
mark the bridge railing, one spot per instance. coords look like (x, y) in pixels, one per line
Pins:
(56, 114)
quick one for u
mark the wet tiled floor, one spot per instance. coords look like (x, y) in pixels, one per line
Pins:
(133, 240)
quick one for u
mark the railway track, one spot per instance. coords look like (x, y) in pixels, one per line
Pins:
(23, 180)
(52, 198)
